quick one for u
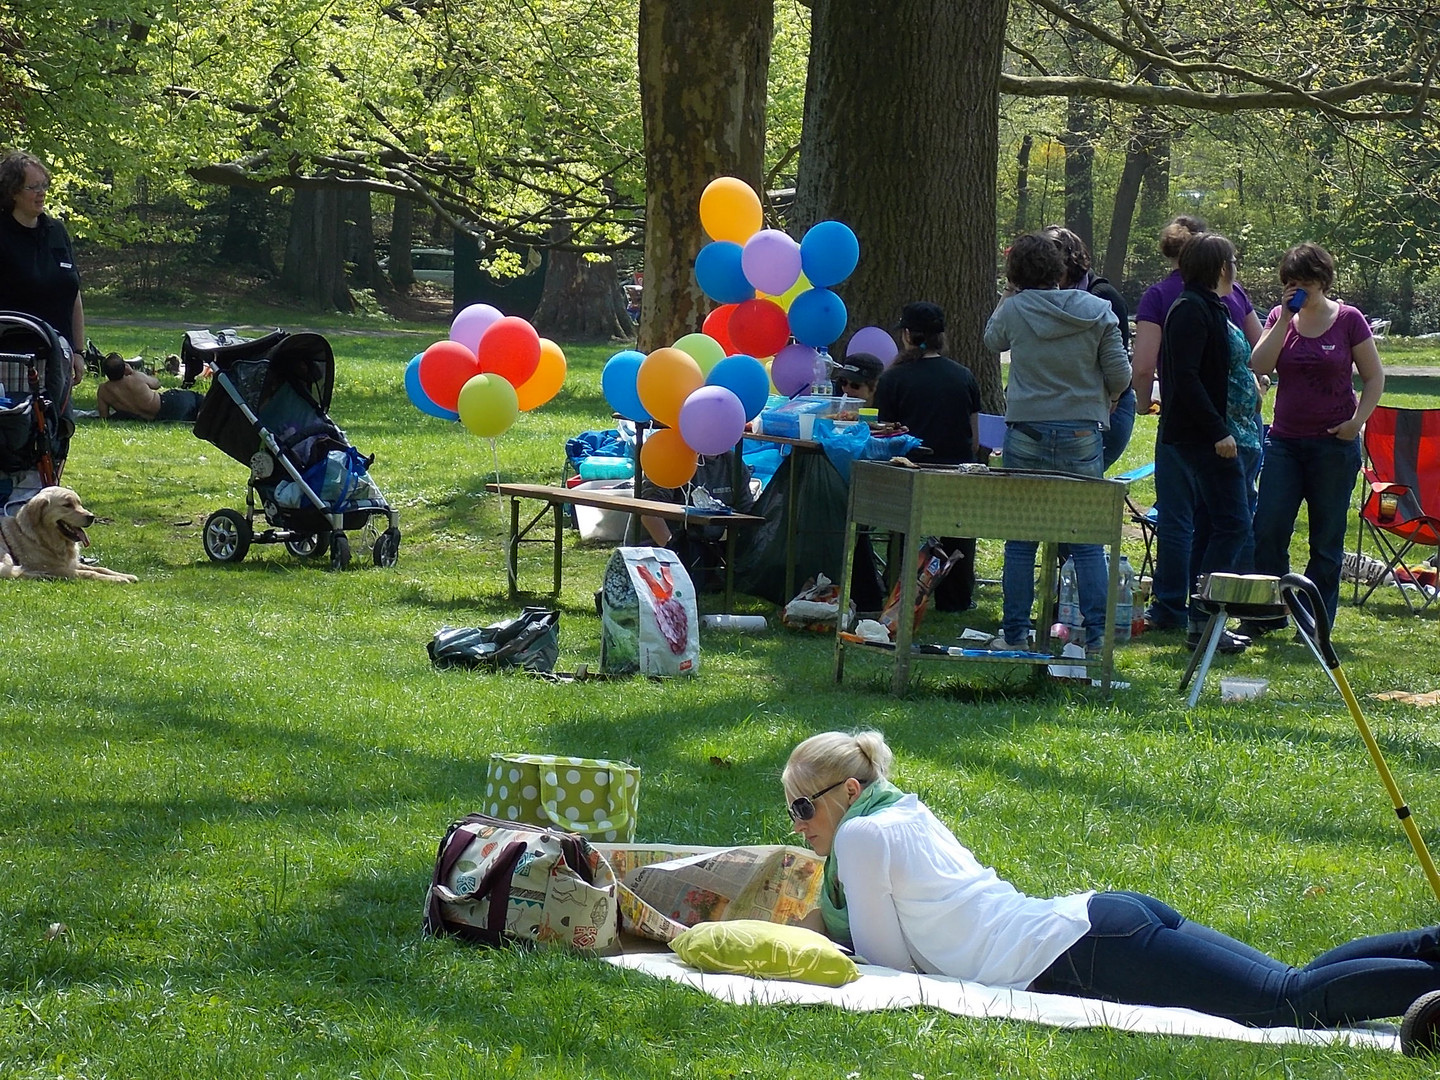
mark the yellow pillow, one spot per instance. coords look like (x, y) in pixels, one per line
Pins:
(765, 950)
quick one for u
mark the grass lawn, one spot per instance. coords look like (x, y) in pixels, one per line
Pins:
(227, 782)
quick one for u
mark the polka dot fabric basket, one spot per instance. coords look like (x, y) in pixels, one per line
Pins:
(593, 797)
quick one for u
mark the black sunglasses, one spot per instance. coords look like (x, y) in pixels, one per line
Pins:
(803, 808)
(851, 382)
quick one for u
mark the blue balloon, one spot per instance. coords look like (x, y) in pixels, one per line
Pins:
(617, 382)
(829, 253)
(416, 393)
(817, 317)
(720, 274)
(746, 378)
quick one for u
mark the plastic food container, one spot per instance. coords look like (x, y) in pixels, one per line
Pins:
(1237, 688)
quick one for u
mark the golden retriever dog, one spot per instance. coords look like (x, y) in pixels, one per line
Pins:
(43, 540)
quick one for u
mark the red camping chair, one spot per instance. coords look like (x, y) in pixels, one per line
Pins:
(1400, 505)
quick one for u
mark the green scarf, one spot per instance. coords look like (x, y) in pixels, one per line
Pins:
(874, 797)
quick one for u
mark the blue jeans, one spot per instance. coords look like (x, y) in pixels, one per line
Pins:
(1142, 952)
(1122, 423)
(1202, 524)
(1321, 473)
(1072, 447)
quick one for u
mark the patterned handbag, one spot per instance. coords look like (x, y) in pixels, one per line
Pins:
(596, 798)
(497, 882)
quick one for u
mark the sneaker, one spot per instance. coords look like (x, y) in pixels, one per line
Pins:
(1157, 626)
(999, 644)
(1229, 642)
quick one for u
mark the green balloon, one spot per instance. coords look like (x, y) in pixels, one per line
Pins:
(703, 349)
(488, 406)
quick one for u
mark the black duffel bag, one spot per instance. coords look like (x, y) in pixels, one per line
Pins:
(531, 641)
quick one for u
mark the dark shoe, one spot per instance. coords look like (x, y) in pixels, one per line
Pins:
(1420, 1030)
(1229, 642)
(1254, 628)
(1157, 626)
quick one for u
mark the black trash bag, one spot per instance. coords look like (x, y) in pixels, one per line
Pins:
(531, 641)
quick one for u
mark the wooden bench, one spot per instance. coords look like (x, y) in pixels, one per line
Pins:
(556, 498)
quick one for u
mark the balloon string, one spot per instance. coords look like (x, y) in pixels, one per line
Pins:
(495, 459)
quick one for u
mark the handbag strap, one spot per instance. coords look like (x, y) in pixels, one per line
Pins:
(493, 885)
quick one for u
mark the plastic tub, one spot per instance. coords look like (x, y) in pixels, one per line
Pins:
(1237, 688)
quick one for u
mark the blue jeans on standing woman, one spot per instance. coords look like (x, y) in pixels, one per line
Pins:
(1321, 473)
(1142, 952)
(1059, 446)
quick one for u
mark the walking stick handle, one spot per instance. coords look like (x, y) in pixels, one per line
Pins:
(1308, 610)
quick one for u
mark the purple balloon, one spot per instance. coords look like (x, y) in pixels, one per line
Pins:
(875, 341)
(472, 322)
(712, 420)
(771, 261)
(793, 369)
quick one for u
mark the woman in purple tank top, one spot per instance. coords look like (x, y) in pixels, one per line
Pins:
(1313, 343)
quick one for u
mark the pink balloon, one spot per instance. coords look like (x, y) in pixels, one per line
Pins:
(793, 370)
(471, 323)
(712, 420)
(771, 261)
(875, 341)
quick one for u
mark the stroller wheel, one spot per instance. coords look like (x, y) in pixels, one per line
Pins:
(312, 546)
(226, 536)
(339, 551)
(387, 548)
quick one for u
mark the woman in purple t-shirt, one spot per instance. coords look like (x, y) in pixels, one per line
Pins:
(1312, 454)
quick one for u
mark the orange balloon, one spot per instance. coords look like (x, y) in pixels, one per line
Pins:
(730, 210)
(547, 380)
(665, 379)
(666, 460)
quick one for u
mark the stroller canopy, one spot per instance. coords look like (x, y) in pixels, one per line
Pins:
(286, 383)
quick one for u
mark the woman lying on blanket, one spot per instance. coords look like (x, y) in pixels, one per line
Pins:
(905, 893)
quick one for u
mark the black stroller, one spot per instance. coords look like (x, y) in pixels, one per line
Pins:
(267, 408)
(35, 425)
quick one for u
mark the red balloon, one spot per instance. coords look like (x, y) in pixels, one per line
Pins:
(717, 325)
(444, 368)
(759, 327)
(510, 348)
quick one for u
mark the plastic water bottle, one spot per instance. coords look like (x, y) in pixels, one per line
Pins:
(750, 624)
(821, 375)
(1069, 612)
(1124, 601)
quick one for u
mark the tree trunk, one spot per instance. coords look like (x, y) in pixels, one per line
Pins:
(360, 241)
(900, 142)
(402, 230)
(582, 299)
(1078, 141)
(1127, 192)
(1022, 184)
(246, 240)
(703, 71)
(1149, 265)
(314, 270)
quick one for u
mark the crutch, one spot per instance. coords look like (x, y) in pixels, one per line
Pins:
(1306, 608)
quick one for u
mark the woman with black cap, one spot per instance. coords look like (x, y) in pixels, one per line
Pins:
(938, 401)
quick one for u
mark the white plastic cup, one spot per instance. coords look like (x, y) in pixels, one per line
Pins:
(750, 624)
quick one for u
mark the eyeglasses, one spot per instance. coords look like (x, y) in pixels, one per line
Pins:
(851, 383)
(38, 189)
(803, 808)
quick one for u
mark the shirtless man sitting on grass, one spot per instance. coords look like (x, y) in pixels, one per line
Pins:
(127, 394)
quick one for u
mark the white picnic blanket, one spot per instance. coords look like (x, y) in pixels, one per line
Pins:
(885, 988)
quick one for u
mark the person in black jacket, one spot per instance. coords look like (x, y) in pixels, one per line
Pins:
(1079, 275)
(1195, 352)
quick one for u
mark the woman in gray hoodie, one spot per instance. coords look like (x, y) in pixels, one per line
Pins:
(1067, 368)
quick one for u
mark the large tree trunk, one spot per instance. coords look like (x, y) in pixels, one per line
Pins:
(1079, 144)
(1149, 265)
(402, 229)
(703, 71)
(582, 299)
(360, 242)
(246, 241)
(900, 141)
(314, 270)
(1127, 192)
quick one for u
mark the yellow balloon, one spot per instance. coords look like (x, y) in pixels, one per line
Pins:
(787, 298)
(547, 380)
(730, 210)
(488, 406)
(666, 460)
(665, 379)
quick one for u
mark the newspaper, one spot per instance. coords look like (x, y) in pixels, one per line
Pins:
(666, 889)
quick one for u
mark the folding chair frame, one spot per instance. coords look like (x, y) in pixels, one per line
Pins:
(1392, 544)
